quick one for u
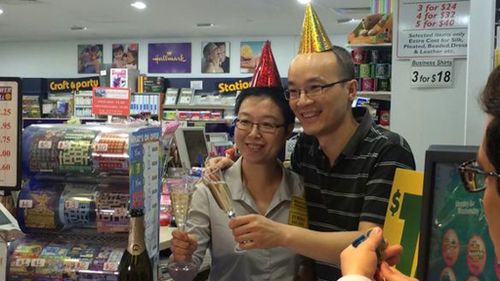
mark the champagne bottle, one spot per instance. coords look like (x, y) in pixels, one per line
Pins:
(135, 264)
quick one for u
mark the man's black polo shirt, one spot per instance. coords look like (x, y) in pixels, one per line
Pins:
(358, 185)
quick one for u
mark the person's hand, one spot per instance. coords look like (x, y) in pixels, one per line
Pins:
(389, 273)
(392, 254)
(256, 232)
(183, 246)
(362, 260)
(219, 162)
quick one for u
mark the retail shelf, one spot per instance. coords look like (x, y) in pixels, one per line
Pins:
(380, 95)
(197, 106)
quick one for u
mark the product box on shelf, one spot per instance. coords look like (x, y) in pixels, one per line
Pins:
(80, 182)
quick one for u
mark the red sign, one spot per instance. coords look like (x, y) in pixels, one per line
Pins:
(111, 101)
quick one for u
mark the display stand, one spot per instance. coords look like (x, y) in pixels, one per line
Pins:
(81, 180)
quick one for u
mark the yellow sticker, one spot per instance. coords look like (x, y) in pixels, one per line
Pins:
(298, 212)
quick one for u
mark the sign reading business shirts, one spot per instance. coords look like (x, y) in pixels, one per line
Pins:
(431, 73)
(111, 101)
(432, 28)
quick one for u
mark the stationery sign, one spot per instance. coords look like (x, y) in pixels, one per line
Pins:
(111, 101)
(437, 73)
(402, 220)
(10, 133)
(432, 28)
(169, 58)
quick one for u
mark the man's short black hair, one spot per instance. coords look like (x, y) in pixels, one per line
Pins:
(344, 63)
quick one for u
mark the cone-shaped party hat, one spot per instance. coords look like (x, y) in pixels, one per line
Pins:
(266, 73)
(313, 38)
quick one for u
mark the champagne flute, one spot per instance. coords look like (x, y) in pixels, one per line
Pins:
(181, 192)
(219, 189)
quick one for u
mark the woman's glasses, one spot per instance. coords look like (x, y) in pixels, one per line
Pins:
(246, 125)
(473, 176)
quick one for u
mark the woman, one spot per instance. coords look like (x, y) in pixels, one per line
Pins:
(359, 264)
(211, 59)
(259, 185)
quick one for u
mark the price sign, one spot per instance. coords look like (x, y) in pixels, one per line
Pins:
(437, 73)
(111, 101)
(432, 28)
(37, 262)
(25, 203)
(402, 220)
(10, 133)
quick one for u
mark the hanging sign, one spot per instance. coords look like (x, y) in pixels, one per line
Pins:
(72, 84)
(111, 101)
(437, 73)
(10, 133)
(432, 28)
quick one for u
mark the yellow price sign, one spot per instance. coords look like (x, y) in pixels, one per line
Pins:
(402, 220)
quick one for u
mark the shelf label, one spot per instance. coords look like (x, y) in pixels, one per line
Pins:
(437, 73)
(432, 28)
(9, 132)
(25, 203)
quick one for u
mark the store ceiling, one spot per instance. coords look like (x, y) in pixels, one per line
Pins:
(34, 20)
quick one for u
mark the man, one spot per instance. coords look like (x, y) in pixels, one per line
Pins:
(223, 59)
(347, 162)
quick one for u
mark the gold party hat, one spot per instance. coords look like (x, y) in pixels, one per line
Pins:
(313, 38)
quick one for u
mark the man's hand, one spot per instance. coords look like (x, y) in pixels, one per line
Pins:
(389, 273)
(183, 246)
(256, 232)
(362, 260)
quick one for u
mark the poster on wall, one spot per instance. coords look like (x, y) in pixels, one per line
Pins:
(169, 58)
(250, 55)
(215, 57)
(432, 28)
(89, 58)
(125, 55)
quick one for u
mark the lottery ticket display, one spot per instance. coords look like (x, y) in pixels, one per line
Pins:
(80, 182)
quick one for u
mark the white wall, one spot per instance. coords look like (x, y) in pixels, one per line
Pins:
(422, 116)
(59, 59)
(445, 115)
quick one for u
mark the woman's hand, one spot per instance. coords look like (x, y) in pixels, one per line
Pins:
(256, 232)
(216, 164)
(183, 246)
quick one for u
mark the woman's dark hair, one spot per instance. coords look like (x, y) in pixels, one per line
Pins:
(276, 94)
(490, 102)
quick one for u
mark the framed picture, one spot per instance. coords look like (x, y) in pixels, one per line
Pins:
(215, 57)
(250, 55)
(169, 58)
(89, 58)
(125, 55)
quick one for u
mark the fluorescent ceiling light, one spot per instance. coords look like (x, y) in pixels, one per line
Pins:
(138, 5)
(204, 24)
(1, 11)
(304, 1)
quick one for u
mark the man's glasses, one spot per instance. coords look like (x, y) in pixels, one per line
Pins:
(310, 91)
(265, 127)
(473, 176)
